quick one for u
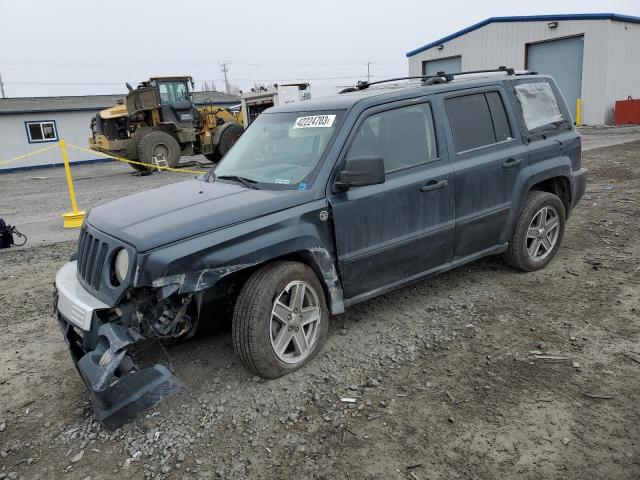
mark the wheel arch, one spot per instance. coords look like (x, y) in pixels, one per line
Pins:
(318, 259)
(560, 186)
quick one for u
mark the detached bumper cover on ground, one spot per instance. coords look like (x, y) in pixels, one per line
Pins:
(119, 389)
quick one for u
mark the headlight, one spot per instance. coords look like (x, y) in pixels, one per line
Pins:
(121, 265)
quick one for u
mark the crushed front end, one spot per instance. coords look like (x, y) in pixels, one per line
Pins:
(109, 329)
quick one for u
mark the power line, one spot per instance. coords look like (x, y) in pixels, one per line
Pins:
(273, 79)
(81, 63)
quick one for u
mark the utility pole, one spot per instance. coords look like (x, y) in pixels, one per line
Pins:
(225, 69)
(2, 87)
(368, 72)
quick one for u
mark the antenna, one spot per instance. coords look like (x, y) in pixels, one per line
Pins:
(368, 72)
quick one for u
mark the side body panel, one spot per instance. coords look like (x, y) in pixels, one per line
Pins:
(200, 262)
(486, 179)
(389, 232)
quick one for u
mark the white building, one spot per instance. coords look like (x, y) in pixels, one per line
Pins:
(593, 57)
(30, 123)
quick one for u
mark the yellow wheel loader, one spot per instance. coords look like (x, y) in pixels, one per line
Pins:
(158, 124)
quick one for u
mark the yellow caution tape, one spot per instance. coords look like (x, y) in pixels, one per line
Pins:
(126, 160)
(21, 157)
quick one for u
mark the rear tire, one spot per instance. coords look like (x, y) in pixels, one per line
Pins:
(538, 232)
(228, 137)
(280, 321)
(159, 144)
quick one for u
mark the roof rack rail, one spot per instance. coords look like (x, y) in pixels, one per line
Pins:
(502, 69)
(362, 85)
(440, 77)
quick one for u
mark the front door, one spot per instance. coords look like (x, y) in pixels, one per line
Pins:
(488, 159)
(389, 233)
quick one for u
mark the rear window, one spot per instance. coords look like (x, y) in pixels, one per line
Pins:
(539, 105)
(478, 120)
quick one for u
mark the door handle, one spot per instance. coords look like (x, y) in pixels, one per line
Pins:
(512, 162)
(433, 185)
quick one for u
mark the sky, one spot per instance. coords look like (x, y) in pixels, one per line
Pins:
(80, 47)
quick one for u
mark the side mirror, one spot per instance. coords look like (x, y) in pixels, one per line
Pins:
(361, 171)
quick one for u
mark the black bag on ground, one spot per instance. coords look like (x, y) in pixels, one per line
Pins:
(6, 235)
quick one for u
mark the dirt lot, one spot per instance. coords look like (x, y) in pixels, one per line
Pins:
(445, 383)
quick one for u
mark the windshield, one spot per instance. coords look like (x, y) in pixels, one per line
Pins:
(281, 148)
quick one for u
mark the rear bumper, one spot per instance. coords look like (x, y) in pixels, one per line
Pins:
(578, 185)
(119, 389)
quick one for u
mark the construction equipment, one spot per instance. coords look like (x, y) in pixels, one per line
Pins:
(260, 98)
(158, 123)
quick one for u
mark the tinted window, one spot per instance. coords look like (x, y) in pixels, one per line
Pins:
(403, 137)
(470, 121)
(539, 105)
(501, 126)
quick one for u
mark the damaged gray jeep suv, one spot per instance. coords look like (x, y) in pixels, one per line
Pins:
(320, 205)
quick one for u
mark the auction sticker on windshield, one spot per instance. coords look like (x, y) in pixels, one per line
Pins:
(314, 121)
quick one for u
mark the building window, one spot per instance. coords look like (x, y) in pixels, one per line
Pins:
(41, 131)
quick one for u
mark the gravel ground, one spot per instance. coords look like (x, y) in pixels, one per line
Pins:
(449, 377)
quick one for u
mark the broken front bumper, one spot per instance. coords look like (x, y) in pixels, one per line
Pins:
(119, 389)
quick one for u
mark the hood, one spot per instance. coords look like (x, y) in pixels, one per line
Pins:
(167, 214)
(114, 112)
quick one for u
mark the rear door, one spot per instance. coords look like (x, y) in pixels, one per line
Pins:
(388, 233)
(487, 160)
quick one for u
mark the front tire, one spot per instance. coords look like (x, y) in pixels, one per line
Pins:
(280, 321)
(160, 145)
(538, 232)
(229, 136)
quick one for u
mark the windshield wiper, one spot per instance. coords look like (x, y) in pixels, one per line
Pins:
(247, 182)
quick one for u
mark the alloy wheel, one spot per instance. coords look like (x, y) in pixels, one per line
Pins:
(295, 322)
(543, 232)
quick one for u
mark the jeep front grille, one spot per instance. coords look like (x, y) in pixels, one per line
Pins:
(92, 253)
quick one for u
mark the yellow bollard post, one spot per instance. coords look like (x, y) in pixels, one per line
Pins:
(74, 218)
(578, 112)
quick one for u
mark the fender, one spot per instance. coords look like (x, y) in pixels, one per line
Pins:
(200, 262)
(540, 171)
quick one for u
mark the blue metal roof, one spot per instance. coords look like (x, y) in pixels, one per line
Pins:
(531, 18)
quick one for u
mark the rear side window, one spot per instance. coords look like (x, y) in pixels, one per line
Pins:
(478, 120)
(539, 105)
(499, 116)
(403, 137)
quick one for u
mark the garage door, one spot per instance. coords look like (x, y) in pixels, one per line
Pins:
(447, 65)
(562, 59)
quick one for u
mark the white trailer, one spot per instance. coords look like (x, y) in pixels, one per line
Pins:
(257, 101)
